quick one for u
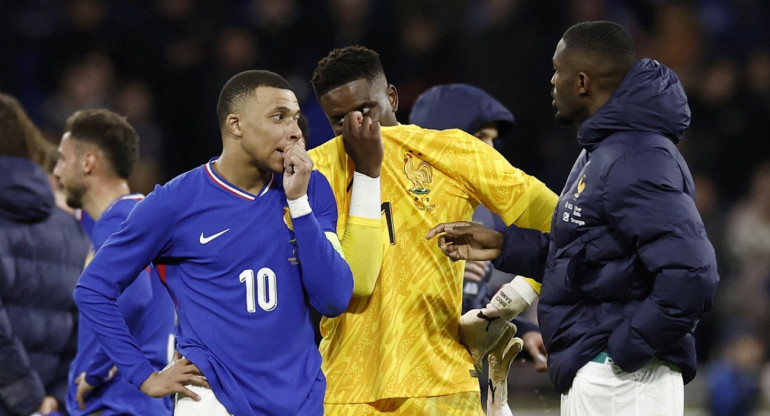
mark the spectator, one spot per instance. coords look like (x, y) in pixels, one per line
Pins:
(42, 252)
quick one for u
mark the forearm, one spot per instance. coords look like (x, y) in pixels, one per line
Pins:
(523, 252)
(102, 315)
(325, 273)
(98, 369)
(362, 243)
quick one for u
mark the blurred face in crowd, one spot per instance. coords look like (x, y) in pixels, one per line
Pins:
(70, 170)
(266, 124)
(567, 87)
(488, 133)
(375, 99)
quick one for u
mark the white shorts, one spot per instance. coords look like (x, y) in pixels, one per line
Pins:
(604, 389)
(208, 405)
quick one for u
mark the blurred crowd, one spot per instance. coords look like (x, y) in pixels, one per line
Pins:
(161, 64)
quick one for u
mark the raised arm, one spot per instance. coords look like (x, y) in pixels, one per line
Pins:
(325, 273)
(362, 242)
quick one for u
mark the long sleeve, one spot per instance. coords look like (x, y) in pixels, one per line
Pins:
(326, 275)
(524, 252)
(58, 387)
(114, 267)
(131, 303)
(362, 243)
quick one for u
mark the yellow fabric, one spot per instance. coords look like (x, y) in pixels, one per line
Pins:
(332, 237)
(460, 404)
(402, 341)
(363, 234)
(535, 284)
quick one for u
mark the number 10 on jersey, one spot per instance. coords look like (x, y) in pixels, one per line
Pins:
(266, 292)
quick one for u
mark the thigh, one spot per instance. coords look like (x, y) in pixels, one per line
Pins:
(208, 404)
(605, 389)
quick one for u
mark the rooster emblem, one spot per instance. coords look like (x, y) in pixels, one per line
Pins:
(419, 175)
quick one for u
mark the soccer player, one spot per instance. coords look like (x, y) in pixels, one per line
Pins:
(398, 350)
(473, 110)
(96, 156)
(627, 267)
(247, 241)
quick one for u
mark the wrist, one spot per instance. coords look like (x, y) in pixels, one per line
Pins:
(365, 196)
(513, 298)
(299, 207)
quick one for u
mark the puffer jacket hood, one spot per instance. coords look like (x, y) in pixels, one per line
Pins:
(459, 106)
(652, 93)
(25, 193)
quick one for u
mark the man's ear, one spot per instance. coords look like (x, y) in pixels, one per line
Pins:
(88, 161)
(584, 83)
(233, 124)
(393, 97)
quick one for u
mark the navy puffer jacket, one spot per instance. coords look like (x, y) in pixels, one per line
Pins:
(42, 252)
(627, 267)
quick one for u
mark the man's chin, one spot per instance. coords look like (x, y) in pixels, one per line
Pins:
(563, 120)
(72, 203)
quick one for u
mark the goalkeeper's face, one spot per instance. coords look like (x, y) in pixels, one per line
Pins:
(373, 98)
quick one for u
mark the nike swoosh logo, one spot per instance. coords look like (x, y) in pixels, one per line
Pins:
(205, 240)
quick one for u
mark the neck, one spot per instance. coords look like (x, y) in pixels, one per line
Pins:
(103, 193)
(241, 173)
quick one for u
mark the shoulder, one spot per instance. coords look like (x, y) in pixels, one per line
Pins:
(645, 158)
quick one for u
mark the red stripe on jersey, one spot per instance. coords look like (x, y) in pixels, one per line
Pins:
(227, 187)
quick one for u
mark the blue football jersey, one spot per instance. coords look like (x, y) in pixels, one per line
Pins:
(242, 273)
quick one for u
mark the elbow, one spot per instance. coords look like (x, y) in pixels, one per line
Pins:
(364, 288)
(78, 296)
(339, 300)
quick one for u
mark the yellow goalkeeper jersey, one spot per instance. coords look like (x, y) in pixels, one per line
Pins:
(403, 341)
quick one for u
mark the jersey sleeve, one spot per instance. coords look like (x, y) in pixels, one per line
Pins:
(519, 199)
(114, 267)
(362, 246)
(326, 275)
(362, 238)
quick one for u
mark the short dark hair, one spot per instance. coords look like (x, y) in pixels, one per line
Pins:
(609, 40)
(344, 65)
(241, 85)
(19, 137)
(111, 133)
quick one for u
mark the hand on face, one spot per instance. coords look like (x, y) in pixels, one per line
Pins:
(297, 166)
(363, 143)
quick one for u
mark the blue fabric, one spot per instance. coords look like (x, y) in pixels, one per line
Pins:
(459, 106)
(42, 252)
(627, 267)
(732, 391)
(149, 313)
(242, 296)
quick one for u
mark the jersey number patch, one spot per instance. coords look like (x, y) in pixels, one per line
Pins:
(266, 294)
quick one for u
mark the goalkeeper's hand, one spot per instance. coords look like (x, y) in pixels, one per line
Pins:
(480, 331)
